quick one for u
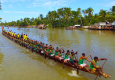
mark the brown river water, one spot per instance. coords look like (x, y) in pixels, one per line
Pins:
(19, 63)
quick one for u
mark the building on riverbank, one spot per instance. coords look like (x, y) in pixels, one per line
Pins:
(77, 26)
(113, 25)
(102, 26)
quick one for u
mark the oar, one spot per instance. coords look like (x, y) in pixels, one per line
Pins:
(54, 58)
(104, 63)
(45, 55)
(77, 64)
(49, 55)
(91, 57)
(63, 64)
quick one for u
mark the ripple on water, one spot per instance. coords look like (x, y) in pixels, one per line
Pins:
(74, 73)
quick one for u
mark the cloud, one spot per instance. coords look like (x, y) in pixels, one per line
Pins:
(45, 3)
(107, 3)
(19, 4)
(10, 6)
(3, 1)
(21, 12)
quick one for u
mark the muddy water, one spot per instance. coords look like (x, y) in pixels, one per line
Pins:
(18, 63)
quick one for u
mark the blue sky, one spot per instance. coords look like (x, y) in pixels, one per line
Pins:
(13, 10)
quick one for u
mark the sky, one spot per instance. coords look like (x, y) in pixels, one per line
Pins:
(13, 10)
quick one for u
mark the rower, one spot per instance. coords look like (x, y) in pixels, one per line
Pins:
(43, 46)
(18, 36)
(46, 50)
(21, 36)
(66, 58)
(24, 37)
(7, 31)
(37, 49)
(51, 51)
(14, 34)
(72, 60)
(11, 34)
(49, 48)
(56, 52)
(46, 45)
(40, 47)
(94, 67)
(81, 64)
(60, 54)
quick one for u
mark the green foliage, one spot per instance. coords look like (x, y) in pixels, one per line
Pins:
(113, 8)
(65, 17)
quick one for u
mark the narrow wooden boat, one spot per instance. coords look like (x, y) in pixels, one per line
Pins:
(22, 43)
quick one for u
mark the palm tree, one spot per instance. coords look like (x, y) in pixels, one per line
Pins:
(103, 14)
(0, 18)
(21, 19)
(113, 8)
(79, 14)
(84, 12)
(18, 22)
(32, 19)
(41, 16)
(90, 12)
(28, 21)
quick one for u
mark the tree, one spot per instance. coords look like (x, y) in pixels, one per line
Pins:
(64, 17)
(18, 22)
(102, 15)
(41, 16)
(79, 14)
(89, 11)
(113, 8)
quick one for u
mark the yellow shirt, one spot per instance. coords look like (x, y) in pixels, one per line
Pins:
(14, 34)
(9, 32)
(18, 35)
(23, 36)
(26, 37)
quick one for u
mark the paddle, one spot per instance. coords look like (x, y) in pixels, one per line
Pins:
(91, 57)
(63, 64)
(63, 59)
(77, 64)
(54, 58)
(104, 63)
(45, 55)
(49, 55)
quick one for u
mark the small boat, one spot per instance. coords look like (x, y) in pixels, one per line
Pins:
(42, 26)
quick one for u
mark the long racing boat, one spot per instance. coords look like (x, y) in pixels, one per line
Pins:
(32, 46)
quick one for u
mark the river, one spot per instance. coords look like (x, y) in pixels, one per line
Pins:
(18, 63)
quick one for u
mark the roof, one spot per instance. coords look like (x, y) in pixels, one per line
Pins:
(42, 24)
(96, 24)
(102, 23)
(93, 26)
(109, 24)
(76, 25)
(113, 23)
